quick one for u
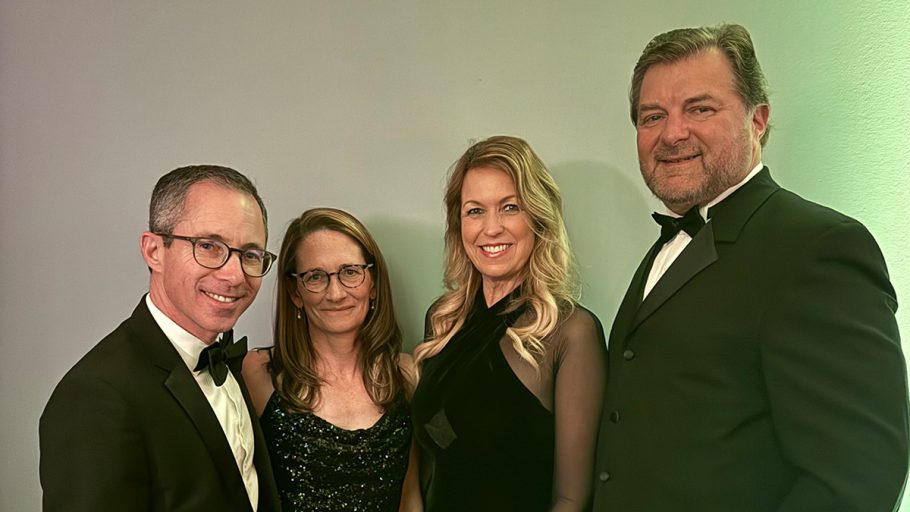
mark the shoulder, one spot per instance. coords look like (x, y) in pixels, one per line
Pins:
(579, 331)
(809, 228)
(795, 214)
(581, 321)
(257, 361)
(110, 376)
(115, 358)
(405, 361)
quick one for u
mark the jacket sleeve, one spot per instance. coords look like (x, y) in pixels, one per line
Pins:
(92, 457)
(836, 376)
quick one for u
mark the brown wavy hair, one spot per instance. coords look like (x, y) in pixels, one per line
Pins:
(293, 364)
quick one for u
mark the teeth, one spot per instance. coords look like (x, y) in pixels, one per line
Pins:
(221, 298)
(494, 248)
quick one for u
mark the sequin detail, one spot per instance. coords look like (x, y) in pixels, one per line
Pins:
(320, 468)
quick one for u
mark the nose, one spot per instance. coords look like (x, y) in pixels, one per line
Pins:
(335, 290)
(676, 128)
(492, 224)
(232, 270)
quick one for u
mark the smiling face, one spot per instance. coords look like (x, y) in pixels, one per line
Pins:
(204, 301)
(495, 230)
(695, 136)
(337, 310)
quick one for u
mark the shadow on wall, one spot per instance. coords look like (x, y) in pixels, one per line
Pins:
(413, 252)
(607, 216)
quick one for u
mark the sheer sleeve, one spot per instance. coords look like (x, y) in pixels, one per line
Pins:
(580, 369)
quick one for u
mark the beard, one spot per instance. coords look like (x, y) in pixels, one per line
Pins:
(714, 173)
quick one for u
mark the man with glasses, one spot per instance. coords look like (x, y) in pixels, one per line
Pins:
(156, 416)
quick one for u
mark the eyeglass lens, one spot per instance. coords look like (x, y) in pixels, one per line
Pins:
(214, 254)
(351, 276)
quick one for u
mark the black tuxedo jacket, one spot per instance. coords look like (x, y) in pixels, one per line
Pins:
(128, 428)
(762, 373)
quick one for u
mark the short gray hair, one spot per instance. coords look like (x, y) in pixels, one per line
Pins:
(169, 195)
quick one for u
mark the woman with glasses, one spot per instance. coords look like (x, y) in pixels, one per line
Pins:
(512, 370)
(332, 392)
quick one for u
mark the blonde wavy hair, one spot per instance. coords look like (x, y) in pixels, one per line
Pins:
(293, 364)
(549, 285)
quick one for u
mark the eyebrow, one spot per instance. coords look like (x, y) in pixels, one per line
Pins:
(506, 199)
(343, 265)
(688, 101)
(244, 247)
(699, 98)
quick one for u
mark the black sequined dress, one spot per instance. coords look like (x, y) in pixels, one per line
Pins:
(320, 467)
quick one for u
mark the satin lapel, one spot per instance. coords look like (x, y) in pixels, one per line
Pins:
(727, 220)
(185, 390)
(699, 254)
(268, 492)
(732, 214)
(632, 300)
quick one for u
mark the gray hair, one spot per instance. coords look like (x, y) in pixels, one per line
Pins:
(169, 195)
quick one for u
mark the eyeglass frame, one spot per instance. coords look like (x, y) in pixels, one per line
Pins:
(298, 276)
(193, 240)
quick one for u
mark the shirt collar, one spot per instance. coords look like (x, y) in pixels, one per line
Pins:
(188, 346)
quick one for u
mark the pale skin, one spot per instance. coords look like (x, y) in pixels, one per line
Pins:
(205, 302)
(696, 138)
(495, 231)
(335, 316)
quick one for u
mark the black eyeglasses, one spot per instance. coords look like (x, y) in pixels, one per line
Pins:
(350, 276)
(214, 254)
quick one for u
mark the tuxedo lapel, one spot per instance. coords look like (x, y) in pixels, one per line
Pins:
(699, 254)
(727, 219)
(185, 390)
(268, 492)
(632, 300)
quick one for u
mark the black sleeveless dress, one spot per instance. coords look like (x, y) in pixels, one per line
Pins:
(486, 441)
(320, 467)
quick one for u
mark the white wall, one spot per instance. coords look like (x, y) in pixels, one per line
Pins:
(363, 106)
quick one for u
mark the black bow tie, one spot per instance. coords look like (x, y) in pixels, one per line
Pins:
(691, 223)
(216, 357)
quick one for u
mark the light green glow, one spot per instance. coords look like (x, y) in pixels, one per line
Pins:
(841, 109)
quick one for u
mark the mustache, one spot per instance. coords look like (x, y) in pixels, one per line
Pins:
(671, 152)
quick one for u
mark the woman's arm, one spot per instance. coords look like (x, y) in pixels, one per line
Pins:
(256, 377)
(411, 500)
(581, 371)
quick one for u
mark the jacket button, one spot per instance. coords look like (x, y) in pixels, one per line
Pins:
(628, 355)
(603, 476)
(614, 416)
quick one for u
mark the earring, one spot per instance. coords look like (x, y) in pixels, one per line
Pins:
(298, 314)
(372, 304)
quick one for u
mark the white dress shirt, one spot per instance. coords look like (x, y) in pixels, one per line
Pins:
(673, 248)
(226, 400)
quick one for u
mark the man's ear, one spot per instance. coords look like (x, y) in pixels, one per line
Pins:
(152, 248)
(760, 116)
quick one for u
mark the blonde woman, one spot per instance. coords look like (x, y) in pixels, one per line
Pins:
(512, 371)
(332, 392)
